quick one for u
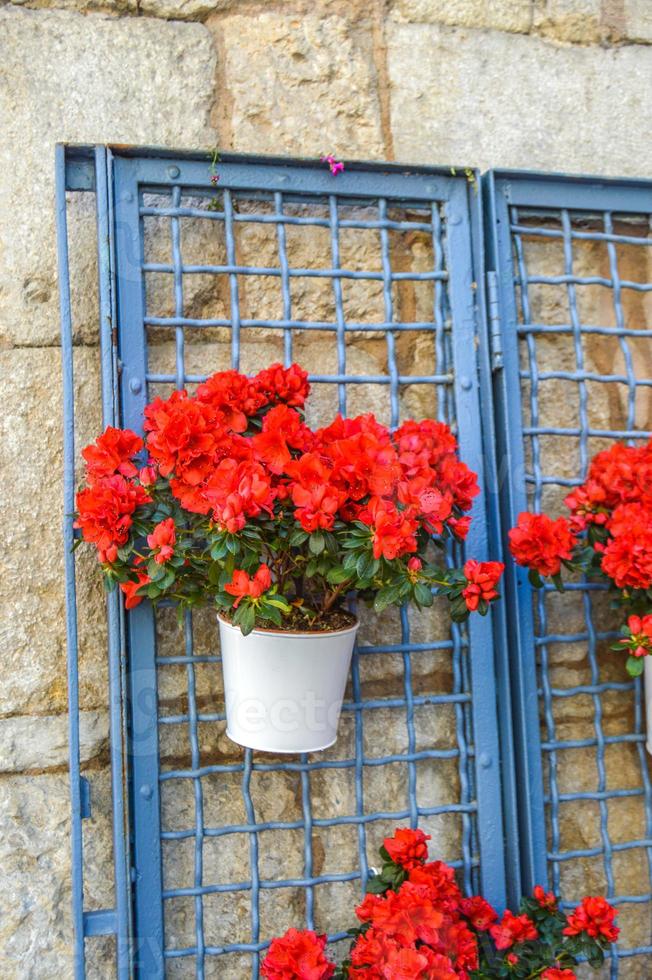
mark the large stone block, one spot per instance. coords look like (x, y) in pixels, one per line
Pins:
(638, 20)
(301, 84)
(504, 100)
(36, 927)
(502, 15)
(41, 741)
(64, 76)
(31, 507)
(571, 20)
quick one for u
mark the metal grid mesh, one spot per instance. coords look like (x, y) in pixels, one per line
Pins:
(252, 844)
(583, 285)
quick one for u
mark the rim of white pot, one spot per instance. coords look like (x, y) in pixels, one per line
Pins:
(265, 632)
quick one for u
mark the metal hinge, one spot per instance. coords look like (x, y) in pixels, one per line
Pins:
(495, 332)
(84, 798)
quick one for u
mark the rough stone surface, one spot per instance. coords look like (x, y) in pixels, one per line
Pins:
(556, 108)
(638, 14)
(571, 20)
(99, 79)
(41, 741)
(301, 84)
(35, 873)
(179, 9)
(33, 623)
(502, 15)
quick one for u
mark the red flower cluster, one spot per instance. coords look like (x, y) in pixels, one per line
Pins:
(541, 543)
(483, 577)
(417, 926)
(104, 512)
(595, 917)
(609, 530)
(513, 929)
(408, 848)
(241, 585)
(297, 956)
(234, 467)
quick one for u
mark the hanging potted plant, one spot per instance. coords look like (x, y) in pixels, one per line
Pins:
(608, 537)
(232, 500)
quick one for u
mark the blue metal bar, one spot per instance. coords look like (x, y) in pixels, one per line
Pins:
(141, 630)
(467, 402)
(117, 689)
(520, 622)
(65, 313)
(231, 269)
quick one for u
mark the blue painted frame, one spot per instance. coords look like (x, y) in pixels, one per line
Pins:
(462, 216)
(507, 194)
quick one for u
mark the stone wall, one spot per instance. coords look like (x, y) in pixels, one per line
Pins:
(544, 84)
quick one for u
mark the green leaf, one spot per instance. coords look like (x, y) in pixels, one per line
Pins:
(337, 575)
(316, 543)
(635, 666)
(535, 579)
(297, 537)
(422, 594)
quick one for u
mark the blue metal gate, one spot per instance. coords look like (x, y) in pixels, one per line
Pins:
(570, 276)
(216, 849)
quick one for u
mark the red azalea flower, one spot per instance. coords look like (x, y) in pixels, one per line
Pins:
(183, 437)
(458, 942)
(147, 475)
(558, 973)
(512, 959)
(627, 557)
(234, 396)
(424, 498)
(238, 490)
(315, 499)
(439, 880)
(513, 929)
(298, 955)
(546, 900)
(278, 384)
(482, 577)
(376, 956)
(408, 848)
(541, 543)
(112, 452)
(407, 915)
(587, 505)
(393, 530)
(282, 430)
(459, 526)
(479, 912)
(461, 482)
(241, 585)
(624, 473)
(594, 916)
(130, 589)
(104, 512)
(423, 445)
(639, 642)
(417, 964)
(162, 541)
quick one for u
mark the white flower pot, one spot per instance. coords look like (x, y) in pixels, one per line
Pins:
(647, 684)
(283, 691)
